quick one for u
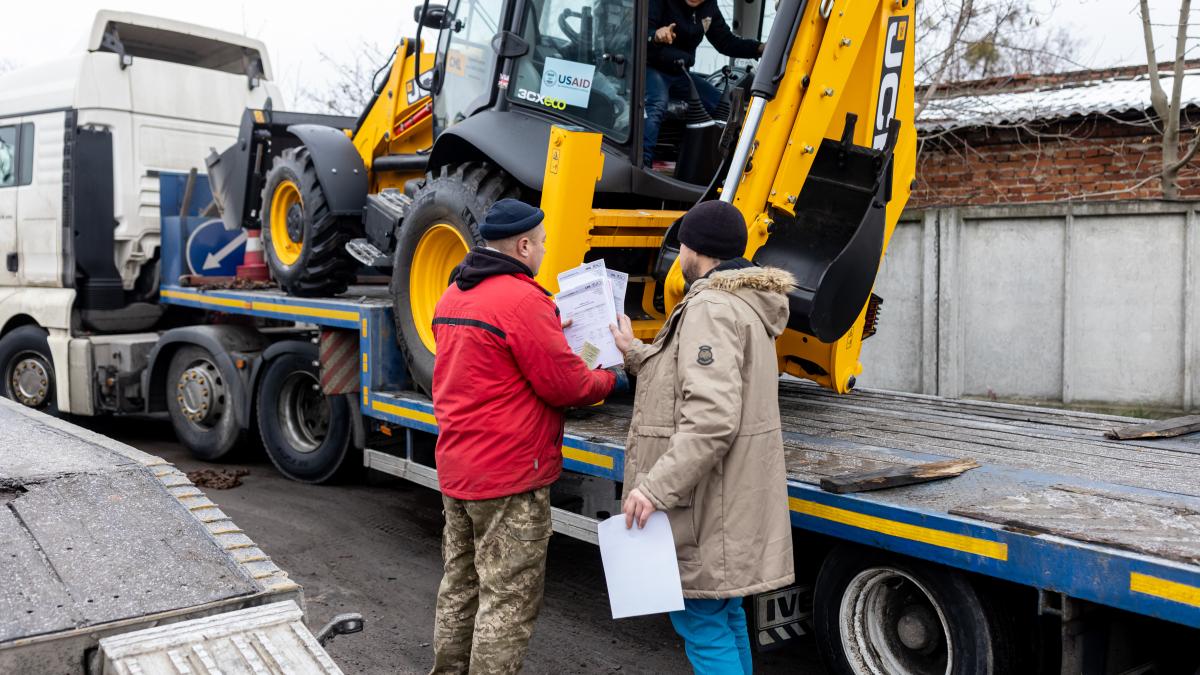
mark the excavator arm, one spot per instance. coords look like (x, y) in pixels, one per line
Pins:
(823, 168)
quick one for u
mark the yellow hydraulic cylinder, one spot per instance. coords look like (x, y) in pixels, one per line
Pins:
(574, 164)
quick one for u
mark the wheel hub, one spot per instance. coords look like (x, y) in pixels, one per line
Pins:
(917, 629)
(295, 223)
(200, 392)
(29, 381)
(891, 625)
(303, 412)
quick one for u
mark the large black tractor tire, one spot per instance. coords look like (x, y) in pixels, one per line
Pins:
(304, 242)
(306, 433)
(27, 369)
(441, 226)
(880, 613)
(201, 404)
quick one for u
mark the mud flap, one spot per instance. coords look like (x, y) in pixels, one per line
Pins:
(781, 616)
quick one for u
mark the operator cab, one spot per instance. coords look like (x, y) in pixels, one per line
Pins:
(583, 64)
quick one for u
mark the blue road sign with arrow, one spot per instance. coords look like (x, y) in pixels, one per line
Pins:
(213, 251)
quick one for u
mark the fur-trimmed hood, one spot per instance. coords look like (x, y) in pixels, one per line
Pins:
(765, 289)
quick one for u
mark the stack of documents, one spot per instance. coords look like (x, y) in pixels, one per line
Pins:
(591, 296)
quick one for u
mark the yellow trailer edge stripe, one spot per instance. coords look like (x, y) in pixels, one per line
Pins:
(588, 457)
(404, 412)
(1165, 589)
(585, 456)
(894, 528)
(341, 314)
(205, 299)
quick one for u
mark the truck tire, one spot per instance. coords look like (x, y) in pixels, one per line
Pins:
(27, 368)
(306, 433)
(441, 226)
(881, 614)
(305, 243)
(201, 404)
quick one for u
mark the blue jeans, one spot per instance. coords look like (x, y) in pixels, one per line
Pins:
(662, 87)
(714, 636)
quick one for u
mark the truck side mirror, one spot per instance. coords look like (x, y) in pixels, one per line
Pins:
(434, 16)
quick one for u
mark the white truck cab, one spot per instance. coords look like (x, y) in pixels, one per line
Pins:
(82, 141)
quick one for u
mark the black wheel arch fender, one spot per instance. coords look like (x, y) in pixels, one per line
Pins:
(505, 139)
(225, 343)
(340, 169)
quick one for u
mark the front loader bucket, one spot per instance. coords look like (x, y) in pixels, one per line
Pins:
(834, 243)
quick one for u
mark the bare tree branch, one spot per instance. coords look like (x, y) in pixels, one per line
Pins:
(966, 9)
(1157, 98)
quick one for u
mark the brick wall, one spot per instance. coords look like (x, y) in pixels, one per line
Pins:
(1094, 158)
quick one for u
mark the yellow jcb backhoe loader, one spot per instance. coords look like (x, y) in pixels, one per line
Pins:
(815, 146)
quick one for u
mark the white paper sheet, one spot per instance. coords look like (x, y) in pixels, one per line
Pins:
(640, 566)
(619, 281)
(589, 306)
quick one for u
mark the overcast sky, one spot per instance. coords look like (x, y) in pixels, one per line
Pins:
(297, 31)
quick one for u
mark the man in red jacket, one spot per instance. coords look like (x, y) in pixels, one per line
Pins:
(503, 376)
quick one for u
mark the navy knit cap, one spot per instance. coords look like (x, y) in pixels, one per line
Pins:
(714, 229)
(508, 218)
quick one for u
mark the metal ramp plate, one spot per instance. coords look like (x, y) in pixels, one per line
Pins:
(259, 640)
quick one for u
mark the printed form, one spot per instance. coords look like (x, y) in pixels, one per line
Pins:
(590, 297)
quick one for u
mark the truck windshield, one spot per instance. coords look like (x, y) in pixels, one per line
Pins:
(580, 63)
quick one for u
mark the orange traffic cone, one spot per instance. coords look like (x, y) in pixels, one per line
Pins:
(254, 266)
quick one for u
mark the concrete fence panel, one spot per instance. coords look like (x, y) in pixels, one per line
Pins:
(1092, 303)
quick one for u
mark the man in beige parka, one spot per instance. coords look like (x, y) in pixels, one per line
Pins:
(704, 442)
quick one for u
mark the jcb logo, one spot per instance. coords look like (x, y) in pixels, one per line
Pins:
(534, 97)
(889, 78)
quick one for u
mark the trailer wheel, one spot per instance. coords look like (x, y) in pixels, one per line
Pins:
(27, 368)
(306, 433)
(877, 614)
(201, 403)
(305, 244)
(441, 226)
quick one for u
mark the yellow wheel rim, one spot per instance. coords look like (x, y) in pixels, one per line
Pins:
(285, 202)
(441, 248)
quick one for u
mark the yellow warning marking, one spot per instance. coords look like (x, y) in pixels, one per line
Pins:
(404, 412)
(366, 397)
(364, 363)
(1162, 588)
(588, 457)
(364, 326)
(204, 299)
(340, 314)
(925, 535)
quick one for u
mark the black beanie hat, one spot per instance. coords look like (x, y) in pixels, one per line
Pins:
(508, 218)
(714, 229)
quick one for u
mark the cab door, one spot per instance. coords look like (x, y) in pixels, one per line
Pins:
(10, 180)
(466, 61)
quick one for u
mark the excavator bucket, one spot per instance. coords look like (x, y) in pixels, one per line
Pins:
(834, 243)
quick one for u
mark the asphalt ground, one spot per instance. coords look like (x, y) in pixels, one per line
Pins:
(372, 545)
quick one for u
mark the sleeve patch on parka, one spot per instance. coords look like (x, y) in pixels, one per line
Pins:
(705, 357)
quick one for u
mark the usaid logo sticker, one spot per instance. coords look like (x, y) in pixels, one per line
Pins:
(568, 81)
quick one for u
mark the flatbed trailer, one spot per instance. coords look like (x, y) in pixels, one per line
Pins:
(1071, 532)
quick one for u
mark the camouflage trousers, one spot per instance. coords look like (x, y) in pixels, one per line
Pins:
(494, 552)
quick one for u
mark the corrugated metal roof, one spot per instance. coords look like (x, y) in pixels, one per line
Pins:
(1110, 96)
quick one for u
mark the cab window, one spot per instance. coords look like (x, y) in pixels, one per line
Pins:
(580, 63)
(467, 60)
(16, 155)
